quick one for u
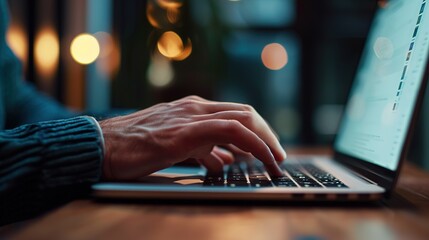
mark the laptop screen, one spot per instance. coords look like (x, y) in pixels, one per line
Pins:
(385, 90)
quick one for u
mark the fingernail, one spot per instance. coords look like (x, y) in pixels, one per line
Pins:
(284, 153)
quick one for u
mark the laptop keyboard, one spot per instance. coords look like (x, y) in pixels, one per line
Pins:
(304, 175)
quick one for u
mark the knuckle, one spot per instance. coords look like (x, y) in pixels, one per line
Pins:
(233, 126)
(166, 105)
(246, 117)
(189, 104)
(194, 97)
(248, 108)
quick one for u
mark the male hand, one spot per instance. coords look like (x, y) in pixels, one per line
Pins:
(192, 127)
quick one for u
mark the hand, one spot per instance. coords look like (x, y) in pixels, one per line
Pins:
(162, 135)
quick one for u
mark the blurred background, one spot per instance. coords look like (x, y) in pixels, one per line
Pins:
(293, 60)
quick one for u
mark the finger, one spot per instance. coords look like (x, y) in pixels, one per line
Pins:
(215, 107)
(212, 162)
(237, 151)
(255, 123)
(226, 156)
(244, 112)
(204, 106)
(217, 132)
(195, 97)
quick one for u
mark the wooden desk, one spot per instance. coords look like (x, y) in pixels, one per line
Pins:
(405, 216)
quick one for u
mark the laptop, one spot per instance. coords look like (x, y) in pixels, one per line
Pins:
(371, 141)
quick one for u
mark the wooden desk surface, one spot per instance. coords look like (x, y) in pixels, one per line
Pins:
(405, 216)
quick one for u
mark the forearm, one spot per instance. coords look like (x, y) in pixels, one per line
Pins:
(46, 164)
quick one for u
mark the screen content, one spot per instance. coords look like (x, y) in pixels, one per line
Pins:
(387, 83)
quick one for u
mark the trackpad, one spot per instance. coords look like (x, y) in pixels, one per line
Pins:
(177, 176)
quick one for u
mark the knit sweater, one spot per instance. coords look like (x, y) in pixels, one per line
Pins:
(48, 155)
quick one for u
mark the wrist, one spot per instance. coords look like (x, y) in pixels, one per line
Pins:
(107, 173)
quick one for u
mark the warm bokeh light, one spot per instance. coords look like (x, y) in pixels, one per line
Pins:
(170, 3)
(163, 14)
(170, 44)
(185, 53)
(173, 15)
(383, 3)
(152, 15)
(46, 52)
(109, 60)
(17, 41)
(160, 72)
(105, 42)
(85, 48)
(274, 56)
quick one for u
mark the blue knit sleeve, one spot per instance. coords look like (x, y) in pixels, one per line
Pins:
(46, 164)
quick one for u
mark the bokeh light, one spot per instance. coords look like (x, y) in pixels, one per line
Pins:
(105, 42)
(109, 59)
(287, 123)
(17, 41)
(186, 52)
(327, 118)
(152, 15)
(383, 48)
(163, 14)
(383, 3)
(160, 72)
(170, 44)
(173, 15)
(357, 107)
(170, 3)
(46, 52)
(274, 56)
(85, 48)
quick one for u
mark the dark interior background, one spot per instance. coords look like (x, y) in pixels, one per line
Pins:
(303, 101)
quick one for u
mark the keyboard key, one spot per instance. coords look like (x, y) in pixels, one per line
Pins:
(334, 185)
(257, 177)
(254, 182)
(237, 178)
(237, 184)
(214, 179)
(283, 182)
(327, 179)
(213, 184)
(301, 178)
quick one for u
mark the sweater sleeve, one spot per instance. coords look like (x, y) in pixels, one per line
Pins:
(45, 164)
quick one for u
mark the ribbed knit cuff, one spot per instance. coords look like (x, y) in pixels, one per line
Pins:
(100, 132)
(72, 151)
(46, 164)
